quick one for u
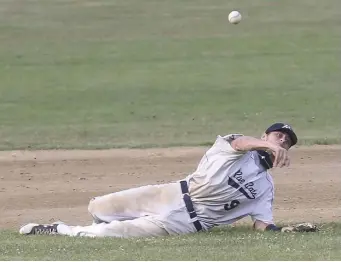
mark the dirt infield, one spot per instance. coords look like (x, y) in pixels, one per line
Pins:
(46, 186)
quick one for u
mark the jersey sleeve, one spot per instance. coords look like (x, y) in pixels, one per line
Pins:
(225, 143)
(263, 209)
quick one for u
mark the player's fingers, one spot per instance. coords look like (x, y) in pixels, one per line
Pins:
(287, 161)
(277, 158)
(286, 158)
(282, 161)
(283, 158)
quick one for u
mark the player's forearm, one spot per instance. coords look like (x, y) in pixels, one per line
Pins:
(247, 143)
(302, 227)
(261, 226)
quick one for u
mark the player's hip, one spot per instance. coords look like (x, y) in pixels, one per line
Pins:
(183, 218)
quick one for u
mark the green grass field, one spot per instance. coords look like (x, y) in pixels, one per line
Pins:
(138, 73)
(219, 244)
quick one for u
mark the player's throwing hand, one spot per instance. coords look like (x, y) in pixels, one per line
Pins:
(281, 157)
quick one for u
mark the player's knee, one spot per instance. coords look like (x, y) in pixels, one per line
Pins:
(91, 206)
(93, 209)
(96, 210)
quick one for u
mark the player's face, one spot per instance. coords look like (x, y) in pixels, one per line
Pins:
(279, 138)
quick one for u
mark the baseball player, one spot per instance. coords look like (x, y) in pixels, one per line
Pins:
(231, 182)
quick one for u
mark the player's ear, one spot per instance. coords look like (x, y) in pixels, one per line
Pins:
(264, 137)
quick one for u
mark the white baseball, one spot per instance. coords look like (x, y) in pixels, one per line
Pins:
(235, 17)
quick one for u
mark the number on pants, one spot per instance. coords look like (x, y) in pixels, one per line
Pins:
(232, 205)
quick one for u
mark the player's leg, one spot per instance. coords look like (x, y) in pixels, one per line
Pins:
(174, 215)
(134, 203)
(140, 227)
(175, 222)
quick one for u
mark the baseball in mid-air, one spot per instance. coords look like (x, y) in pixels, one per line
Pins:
(235, 17)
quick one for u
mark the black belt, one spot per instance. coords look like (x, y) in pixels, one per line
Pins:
(189, 205)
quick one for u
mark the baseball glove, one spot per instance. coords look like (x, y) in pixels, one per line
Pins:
(302, 227)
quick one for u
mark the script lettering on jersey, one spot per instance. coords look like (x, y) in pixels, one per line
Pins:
(249, 186)
(249, 191)
(238, 176)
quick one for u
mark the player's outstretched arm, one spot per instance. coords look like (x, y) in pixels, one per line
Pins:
(302, 227)
(248, 143)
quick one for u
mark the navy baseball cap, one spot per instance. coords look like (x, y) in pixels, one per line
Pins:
(285, 128)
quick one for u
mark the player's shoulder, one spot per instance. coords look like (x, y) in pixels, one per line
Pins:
(223, 143)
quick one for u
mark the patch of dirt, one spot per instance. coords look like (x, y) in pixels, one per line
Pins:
(45, 186)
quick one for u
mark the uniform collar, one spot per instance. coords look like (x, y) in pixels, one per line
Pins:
(265, 159)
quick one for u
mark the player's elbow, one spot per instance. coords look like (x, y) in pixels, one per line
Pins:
(235, 144)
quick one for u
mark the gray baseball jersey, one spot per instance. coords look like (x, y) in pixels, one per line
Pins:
(229, 185)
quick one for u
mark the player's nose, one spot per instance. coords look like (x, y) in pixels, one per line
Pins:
(283, 143)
